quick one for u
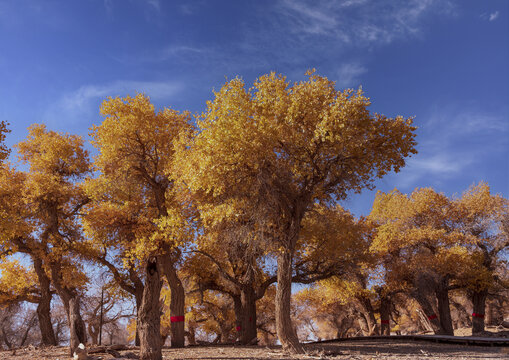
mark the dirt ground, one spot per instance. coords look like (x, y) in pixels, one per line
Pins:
(358, 350)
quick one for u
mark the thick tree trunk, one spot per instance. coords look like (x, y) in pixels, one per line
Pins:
(44, 306)
(385, 315)
(369, 315)
(248, 330)
(444, 310)
(149, 314)
(479, 305)
(177, 302)
(284, 327)
(237, 307)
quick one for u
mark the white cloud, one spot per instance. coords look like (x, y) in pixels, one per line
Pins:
(155, 4)
(450, 142)
(494, 16)
(359, 21)
(434, 167)
(490, 16)
(187, 9)
(84, 94)
(349, 73)
(82, 105)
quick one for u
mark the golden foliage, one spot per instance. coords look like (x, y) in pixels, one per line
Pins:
(4, 151)
(277, 142)
(136, 206)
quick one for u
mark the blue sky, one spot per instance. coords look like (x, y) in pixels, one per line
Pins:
(444, 62)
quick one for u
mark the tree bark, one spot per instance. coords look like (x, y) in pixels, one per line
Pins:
(369, 315)
(177, 302)
(248, 330)
(77, 331)
(138, 298)
(284, 327)
(149, 313)
(444, 310)
(237, 307)
(44, 305)
(71, 300)
(479, 305)
(385, 315)
(428, 310)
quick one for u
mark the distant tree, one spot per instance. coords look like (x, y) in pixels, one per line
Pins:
(420, 231)
(484, 219)
(288, 146)
(16, 326)
(4, 150)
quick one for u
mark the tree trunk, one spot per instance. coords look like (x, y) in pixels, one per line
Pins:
(139, 298)
(71, 300)
(30, 324)
(191, 335)
(6, 339)
(248, 330)
(239, 314)
(428, 311)
(369, 315)
(385, 315)
(149, 314)
(363, 323)
(177, 302)
(478, 301)
(44, 305)
(284, 327)
(76, 324)
(93, 332)
(444, 310)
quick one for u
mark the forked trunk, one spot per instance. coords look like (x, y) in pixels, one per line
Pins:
(177, 302)
(444, 310)
(284, 327)
(149, 314)
(479, 304)
(248, 327)
(44, 306)
(369, 315)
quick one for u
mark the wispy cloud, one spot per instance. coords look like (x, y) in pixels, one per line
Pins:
(490, 16)
(494, 16)
(187, 8)
(348, 74)
(156, 89)
(360, 21)
(451, 141)
(156, 4)
(81, 104)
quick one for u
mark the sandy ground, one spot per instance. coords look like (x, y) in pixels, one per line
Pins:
(359, 350)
